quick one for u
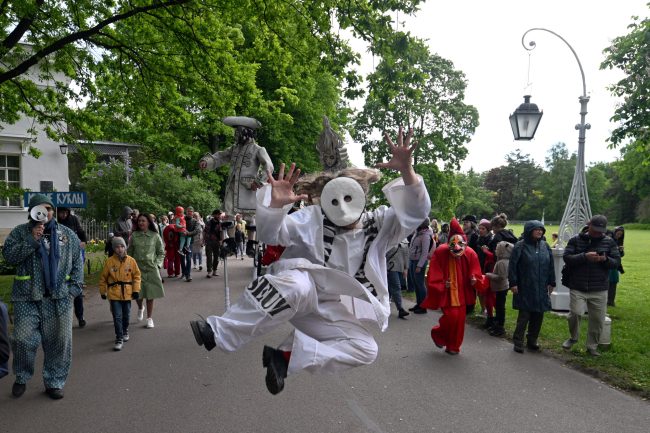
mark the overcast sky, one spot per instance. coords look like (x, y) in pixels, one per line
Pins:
(483, 39)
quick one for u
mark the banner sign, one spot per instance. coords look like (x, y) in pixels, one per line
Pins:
(75, 199)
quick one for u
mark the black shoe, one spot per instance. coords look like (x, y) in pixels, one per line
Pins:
(208, 275)
(82, 323)
(533, 347)
(200, 268)
(203, 334)
(420, 310)
(54, 393)
(18, 389)
(518, 348)
(276, 369)
(402, 313)
(413, 308)
(497, 331)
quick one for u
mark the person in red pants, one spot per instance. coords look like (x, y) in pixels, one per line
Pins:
(172, 257)
(454, 274)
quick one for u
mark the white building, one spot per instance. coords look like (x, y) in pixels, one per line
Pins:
(18, 168)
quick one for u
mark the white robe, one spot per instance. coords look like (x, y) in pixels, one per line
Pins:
(325, 304)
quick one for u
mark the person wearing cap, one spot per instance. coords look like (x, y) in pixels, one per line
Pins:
(65, 217)
(249, 163)
(331, 281)
(589, 256)
(120, 283)
(49, 274)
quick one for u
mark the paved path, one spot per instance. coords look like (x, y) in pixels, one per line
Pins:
(163, 382)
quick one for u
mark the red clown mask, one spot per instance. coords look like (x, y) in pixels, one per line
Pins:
(457, 245)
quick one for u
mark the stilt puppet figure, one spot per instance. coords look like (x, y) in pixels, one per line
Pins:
(454, 274)
(331, 280)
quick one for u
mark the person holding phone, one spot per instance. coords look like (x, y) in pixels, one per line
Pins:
(589, 256)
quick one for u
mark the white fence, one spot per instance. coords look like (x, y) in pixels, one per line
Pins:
(97, 230)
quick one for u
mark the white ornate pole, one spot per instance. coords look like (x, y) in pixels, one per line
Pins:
(578, 210)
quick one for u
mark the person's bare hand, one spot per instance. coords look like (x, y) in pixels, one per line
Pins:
(550, 289)
(38, 230)
(402, 152)
(472, 281)
(282, 188)
(514, 289)
(592, 256)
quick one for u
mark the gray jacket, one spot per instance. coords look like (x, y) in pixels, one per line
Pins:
(397, 258)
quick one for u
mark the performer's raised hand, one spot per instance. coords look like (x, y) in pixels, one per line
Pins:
(282, 188)
(402, 155)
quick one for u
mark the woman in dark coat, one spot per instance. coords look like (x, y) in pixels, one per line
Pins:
(531, 276)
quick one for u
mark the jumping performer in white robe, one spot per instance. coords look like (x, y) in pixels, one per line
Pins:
(331, 280)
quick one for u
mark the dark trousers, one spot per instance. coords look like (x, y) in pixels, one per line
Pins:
(531, 319)
(121, 314)
(611, 294)
(186, 263)
(79, 306)
(500, 308)
(394, 288)
(212, 256)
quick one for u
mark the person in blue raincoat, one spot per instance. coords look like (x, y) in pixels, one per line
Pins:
(49, 274)
(531, 277)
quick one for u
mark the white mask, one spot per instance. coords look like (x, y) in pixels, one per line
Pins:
(343, 201)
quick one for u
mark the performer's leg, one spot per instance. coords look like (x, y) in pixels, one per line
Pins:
(330, 343)
(26, 339)
(456, 328)
(57, 341)
(267, 302)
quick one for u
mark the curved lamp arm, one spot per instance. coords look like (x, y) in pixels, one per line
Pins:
(532, 46)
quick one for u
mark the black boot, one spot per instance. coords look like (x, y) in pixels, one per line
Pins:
(203, 334)
(402, 313)
(276, 369)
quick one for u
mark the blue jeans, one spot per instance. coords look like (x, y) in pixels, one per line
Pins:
(197, 257)
(186, 263)
(121, 314)
(416, 281)
(394, 288)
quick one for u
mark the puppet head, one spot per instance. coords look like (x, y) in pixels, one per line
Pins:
(179, 211)
(457, 245)
(343, 201)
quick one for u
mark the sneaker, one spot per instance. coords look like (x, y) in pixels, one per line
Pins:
(203, 334)
(209, 276)
(215, 274)
(149, 323)
(118, 345)
(568, 343)
(533, 347)
(180, 253)
(140, 314)
(82, 323)
(18, 389)
(188, 279)
(592, 351)
(276, 369)
(125, 337)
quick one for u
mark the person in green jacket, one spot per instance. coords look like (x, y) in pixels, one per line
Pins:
(146, 247)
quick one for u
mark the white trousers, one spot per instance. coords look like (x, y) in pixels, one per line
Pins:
(327, 336)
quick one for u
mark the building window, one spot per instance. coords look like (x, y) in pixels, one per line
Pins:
(10, 176)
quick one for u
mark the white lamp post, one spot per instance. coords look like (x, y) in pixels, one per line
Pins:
(578, 210)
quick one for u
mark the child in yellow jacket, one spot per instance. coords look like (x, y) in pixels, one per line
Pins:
(120, 283)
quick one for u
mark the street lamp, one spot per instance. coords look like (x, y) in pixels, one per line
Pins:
(577, 211)
(63, 148)
(525, 120)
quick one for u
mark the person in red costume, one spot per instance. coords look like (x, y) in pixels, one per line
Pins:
(172, 257)
(454, 274)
